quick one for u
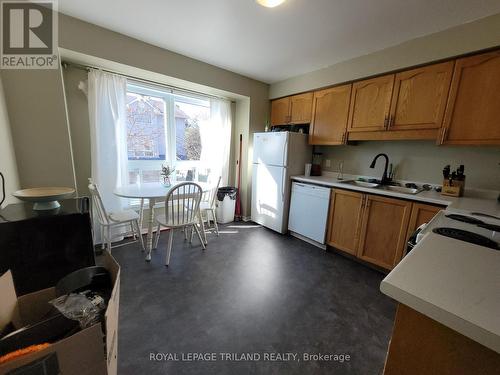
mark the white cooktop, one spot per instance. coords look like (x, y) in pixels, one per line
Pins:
(449, 218)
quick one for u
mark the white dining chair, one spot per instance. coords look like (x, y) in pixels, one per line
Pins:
(208, 208)
(127, 219)
(157, 206)
(182, 205)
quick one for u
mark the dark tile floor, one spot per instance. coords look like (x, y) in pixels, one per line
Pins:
(251, 291)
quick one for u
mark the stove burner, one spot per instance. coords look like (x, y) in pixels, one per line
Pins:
(464, 219)
(493, 227)
(467, 236)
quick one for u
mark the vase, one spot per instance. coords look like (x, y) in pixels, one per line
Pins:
(166, 181)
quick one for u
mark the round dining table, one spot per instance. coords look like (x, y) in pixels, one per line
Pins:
(154, 192)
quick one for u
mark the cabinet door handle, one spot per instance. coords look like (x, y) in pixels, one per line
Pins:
(386, 122)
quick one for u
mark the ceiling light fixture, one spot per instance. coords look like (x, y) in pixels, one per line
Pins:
(270, 3)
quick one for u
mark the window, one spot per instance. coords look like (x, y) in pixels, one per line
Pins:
(190, 113)
(145, 127)
(164, 128)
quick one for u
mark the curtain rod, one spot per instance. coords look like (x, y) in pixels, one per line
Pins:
(142, 80)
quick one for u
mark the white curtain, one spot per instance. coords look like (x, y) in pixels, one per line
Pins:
(108, 136)
(216, 140)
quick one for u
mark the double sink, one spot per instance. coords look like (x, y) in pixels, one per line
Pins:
(372, 185)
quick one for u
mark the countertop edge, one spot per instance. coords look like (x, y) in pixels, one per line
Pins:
(340, 185)
(448, 319)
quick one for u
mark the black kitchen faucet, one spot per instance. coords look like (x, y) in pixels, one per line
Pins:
(384, 180)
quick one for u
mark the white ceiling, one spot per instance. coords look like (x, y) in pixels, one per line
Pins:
(272, 44)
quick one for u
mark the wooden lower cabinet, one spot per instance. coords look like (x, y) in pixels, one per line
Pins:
(420, 345)
(383, 230)
(374, 228)
(420, 214)
(344, 221)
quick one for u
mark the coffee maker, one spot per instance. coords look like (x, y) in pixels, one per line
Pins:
(316, 163)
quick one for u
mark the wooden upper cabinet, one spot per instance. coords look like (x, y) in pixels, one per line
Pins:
(280, 111)
(345, 220)
(383, 230)
(329, 116)
(419, 97)
(457, 102)
(294, 109)
(473, 112)
(370, 104)
(301, 108)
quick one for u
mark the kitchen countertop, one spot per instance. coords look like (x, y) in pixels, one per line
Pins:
(484, 201)
(453, 282)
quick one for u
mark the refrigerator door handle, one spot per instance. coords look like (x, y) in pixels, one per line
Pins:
(285, 150)
(283, 184)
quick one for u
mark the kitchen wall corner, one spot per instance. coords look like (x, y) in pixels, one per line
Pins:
(8, 164)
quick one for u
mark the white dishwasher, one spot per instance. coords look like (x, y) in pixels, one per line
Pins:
(309, 212)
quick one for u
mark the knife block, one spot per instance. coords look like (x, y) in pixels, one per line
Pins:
(453, 188)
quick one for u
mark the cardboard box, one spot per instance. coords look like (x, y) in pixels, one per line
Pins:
(82, 353)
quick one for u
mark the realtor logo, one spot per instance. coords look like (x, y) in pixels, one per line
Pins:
(29, 35)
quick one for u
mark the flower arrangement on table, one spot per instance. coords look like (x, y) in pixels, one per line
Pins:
(166, 172)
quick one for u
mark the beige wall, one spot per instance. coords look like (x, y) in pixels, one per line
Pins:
(242, 117)
(78, 115)
(36, 103)
(420, 161)
(37, 113)
(7, 156)
(473, 36)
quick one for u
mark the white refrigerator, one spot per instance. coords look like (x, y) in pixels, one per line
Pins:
(276, 157)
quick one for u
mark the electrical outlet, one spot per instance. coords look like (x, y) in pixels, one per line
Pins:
(328, 163)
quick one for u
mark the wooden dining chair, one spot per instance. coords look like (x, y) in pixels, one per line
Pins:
(127, 219)
(182, 205)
